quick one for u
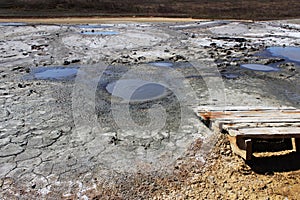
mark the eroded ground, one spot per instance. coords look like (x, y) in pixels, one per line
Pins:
(69, 138)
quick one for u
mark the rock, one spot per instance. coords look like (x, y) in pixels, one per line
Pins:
(177, 58)
(20, 85)
(228, 152)
(19, 68)
(66, 62)
(75, 61)
(142, 58)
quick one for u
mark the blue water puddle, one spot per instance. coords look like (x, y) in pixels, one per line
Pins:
(260, 67)
(162, 64)
(12, 24)
(291, 54)
(53, 73)
(100, 33)
(171, 64)
(136, 90)
(95, 26)
(230, 75)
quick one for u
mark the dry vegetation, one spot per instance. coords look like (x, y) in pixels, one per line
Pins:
(242, 9)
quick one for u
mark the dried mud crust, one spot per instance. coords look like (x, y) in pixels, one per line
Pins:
(39, 159)
(223, 176)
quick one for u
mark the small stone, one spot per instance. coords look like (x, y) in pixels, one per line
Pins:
(75, 60)
(66, 62)
(228, 152)
(21, 85)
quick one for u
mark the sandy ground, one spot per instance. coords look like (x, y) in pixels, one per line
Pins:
(69, 138)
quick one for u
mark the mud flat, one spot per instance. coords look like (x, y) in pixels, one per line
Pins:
(111, 115)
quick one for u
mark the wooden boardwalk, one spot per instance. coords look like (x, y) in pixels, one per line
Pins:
(243, 124)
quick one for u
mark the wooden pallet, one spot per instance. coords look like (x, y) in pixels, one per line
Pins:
(243, 124)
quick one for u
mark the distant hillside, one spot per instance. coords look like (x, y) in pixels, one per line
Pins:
(239, 9)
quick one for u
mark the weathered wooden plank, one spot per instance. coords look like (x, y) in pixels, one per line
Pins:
(245, 123)
(248, 144)
(257, 120)
(296, 144)
(236, 148)
(240, 108)
(249, 114)
(257, 125)
(267, 132)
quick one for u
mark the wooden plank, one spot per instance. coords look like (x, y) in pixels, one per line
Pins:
(235, 147)
(267, 132)
(249, 114)
(248, 144)
(240, 108)
(257, 120)
(245, 123)
(296, 144)
(258, 125)
(234, 115)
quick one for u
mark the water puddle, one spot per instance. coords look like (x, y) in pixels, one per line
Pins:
(136, 90)
(87, 26)
(230, 75)
(12, 24)
(289, 53)
(161, 64)
(100, 33)
(260, 67)
(53, 73)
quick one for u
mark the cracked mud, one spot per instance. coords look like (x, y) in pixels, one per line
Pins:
(39, 149)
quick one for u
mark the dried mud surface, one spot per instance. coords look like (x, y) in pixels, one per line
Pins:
(41, 158)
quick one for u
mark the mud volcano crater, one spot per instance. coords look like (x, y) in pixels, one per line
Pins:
(52, 73)
(139, 95)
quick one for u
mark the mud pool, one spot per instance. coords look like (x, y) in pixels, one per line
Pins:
(259, 67)
(291, 54)
(12, 24)
(136, 90)
(162, 64)
(93, 26)
(100, 33)
(53, 73)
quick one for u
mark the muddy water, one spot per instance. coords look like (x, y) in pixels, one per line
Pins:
(89, 26)
(53, 73)
(136, 90)
(230, 75)
(289, 53)
(259, 67)
(100, 33)
(162, 64)
(12, 24)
